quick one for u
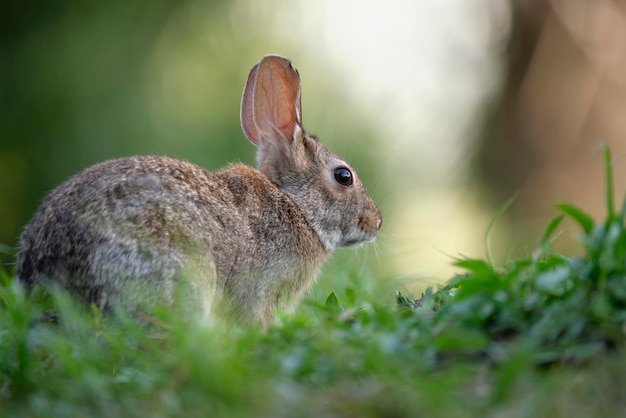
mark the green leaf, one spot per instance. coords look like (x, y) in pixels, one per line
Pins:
(332, 303)
(474, 265)
(584, 220)
(402, 301)
(554, 223)
(553, 281)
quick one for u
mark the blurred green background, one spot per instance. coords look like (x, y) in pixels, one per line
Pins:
(446, 109)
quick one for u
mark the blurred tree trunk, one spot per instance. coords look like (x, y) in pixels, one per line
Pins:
(565, 93)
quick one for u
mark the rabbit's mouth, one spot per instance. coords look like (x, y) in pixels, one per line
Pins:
(337, 240)
(356, 241)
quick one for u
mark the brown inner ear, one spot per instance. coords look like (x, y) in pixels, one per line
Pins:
(276, 99)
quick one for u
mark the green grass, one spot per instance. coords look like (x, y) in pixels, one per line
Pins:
(540, 336)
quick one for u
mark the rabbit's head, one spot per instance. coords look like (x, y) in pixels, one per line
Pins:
(325, 187)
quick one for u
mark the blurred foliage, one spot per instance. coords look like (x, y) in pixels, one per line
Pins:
(548, 306)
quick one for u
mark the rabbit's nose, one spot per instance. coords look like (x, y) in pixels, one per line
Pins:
(370, 221)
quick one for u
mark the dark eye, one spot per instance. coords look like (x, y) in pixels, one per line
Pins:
(343, 176)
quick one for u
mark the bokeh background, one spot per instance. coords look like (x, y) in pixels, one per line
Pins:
(446, 109)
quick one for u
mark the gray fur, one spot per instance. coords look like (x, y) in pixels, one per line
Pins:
(126, 232)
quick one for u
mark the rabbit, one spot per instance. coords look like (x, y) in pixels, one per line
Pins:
(126, 232)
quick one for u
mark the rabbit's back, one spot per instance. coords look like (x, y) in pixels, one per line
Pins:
(128, 229)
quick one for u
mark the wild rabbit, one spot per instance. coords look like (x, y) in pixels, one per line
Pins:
(126, 232)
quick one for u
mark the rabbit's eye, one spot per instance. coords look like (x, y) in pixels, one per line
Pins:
(343, 176)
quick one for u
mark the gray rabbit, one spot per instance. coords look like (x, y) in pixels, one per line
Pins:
(127, 232)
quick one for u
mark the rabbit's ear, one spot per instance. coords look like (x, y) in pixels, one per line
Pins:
(270, 108)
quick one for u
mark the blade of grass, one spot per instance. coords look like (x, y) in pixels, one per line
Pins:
(576, 214)
(550, 229)
(608, 180)
(5, 249)
(473, 265)
(497, 216)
